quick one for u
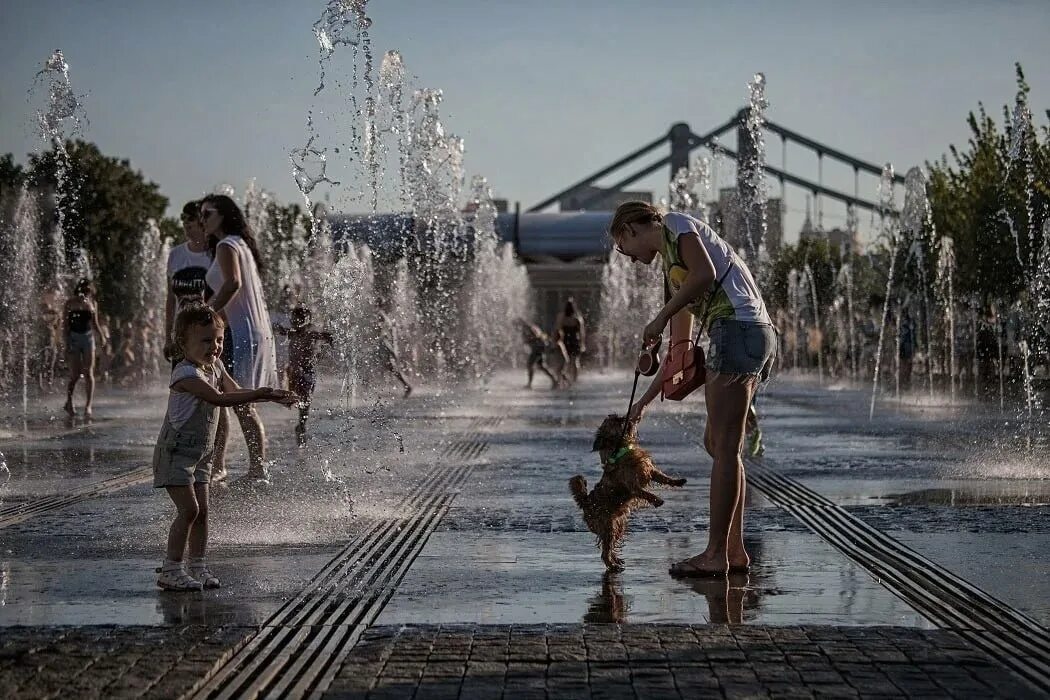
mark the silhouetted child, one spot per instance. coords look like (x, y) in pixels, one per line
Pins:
(302, 342)
(182, 458)
(386, 350)
(538, 343)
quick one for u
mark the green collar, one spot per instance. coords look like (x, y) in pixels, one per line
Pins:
(618, 455)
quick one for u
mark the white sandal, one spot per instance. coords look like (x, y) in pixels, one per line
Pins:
(175, 578)
(206, 578)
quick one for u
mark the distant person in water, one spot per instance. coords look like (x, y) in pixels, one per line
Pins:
(198, 388)
(387, 351)
(538, 343)
(569, 329)
(302, 344)
(82, 325)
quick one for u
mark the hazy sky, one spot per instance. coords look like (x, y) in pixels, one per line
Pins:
(199, 93)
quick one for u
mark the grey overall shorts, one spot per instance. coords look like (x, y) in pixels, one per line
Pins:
(183, 455)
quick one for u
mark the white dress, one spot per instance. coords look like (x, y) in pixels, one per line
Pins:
(249, 351)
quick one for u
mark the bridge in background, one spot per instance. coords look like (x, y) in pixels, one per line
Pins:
(564, 251)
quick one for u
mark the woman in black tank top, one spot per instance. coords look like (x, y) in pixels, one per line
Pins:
(570, 332)
(81, 327)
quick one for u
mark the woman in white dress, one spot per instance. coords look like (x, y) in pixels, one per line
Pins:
(248, 351)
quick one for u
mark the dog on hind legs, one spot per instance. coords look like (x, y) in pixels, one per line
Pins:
(627, 472)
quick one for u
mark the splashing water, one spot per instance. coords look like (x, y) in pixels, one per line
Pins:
(889, 231)
(691, 186)
(5, 473)
(342, 23)
(946, 289)
(628, 294)
(753, 174)
(1020, 152)
(916, 220)
(64, 108)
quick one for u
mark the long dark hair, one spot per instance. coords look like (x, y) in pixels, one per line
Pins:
(233, 222)
(570, 308)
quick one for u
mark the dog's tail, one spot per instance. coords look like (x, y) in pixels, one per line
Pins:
(578, 488)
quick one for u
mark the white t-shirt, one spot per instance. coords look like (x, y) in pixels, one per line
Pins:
(187, 270)
(738, 298)
(182, 404)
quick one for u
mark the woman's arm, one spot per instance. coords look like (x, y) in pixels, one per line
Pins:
(95, 324)
(231, 277)
(583, 336)
(682, 329)
(698, 281)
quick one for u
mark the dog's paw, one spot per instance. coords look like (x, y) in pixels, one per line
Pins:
(677, 482)
(657, 502)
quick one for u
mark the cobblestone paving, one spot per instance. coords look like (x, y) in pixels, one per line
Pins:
(110, 661)
(658, 661)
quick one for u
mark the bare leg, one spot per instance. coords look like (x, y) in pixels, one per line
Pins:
(198, 539)
(255, 438)
(75, 368)
(186, 505)
(727, 400)
(89, 383)
(222, 435)
(300, 429)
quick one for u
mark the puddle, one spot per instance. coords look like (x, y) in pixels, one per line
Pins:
(972, 497)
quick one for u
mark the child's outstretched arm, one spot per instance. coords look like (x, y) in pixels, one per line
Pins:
(205, 392)
(230, 386)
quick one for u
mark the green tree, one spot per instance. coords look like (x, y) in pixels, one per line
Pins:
(970, 191)
(105, 205)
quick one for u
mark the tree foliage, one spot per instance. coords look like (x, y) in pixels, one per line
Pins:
(971, 190)
(105, 205)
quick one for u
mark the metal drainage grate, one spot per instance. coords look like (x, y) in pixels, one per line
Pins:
(301, 647)
(18, 512)
(1004, 633)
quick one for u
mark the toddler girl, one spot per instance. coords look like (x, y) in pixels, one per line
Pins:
(199, 384)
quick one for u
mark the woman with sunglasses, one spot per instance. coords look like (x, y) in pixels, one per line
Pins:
(706, 279)
(248, 350)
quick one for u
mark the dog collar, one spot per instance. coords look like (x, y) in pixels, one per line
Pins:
(616, 456)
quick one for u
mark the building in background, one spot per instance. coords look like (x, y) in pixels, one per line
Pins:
(726, 216)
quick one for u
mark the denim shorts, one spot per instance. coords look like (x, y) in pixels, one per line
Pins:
(741, 347)
(81, 343)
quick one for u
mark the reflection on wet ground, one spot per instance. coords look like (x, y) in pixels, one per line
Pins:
(513, 547)
(988, 496)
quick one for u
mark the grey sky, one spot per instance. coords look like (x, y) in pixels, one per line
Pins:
(198, 93)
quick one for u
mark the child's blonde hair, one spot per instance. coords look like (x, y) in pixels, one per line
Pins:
(193, 314)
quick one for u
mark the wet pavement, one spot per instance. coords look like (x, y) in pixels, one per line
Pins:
(450, 513)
